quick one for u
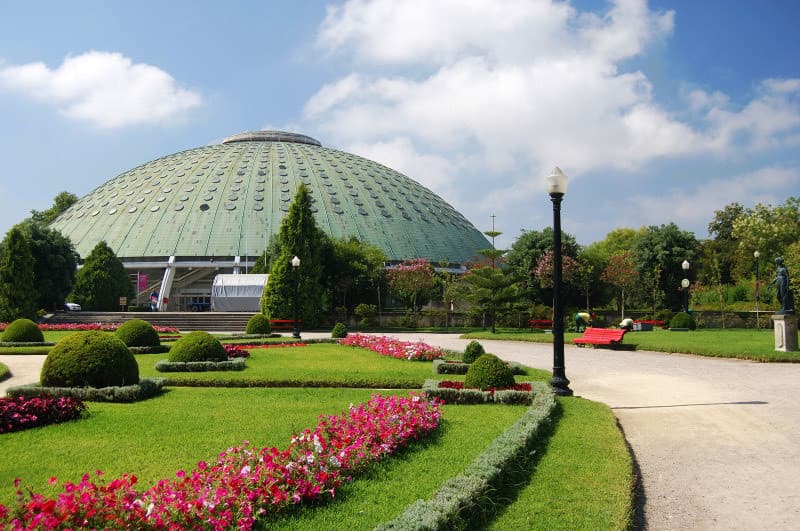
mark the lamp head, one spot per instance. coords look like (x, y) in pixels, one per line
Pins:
(756, 254)
(685, 265)
(295, 262)
(557, 182)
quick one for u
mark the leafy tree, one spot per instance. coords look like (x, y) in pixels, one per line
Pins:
(662, 249)
(102, 280)
(724, 258)
(621, 273)
(17, 290)
(61, 202)
(411, 280)
(616, 242)
(264, 261)
(55, 262)
(767, 229)
(354, 271)
(298, 236)
(526, 253)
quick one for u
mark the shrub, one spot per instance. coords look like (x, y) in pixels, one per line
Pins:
(339, 331)
(258, 324)
(664, 315)
(138, 333)
(489, 371)
(197, 346)
(683, 320)
(23, 331)
(90, 359)
(366, 314)
(473, 351)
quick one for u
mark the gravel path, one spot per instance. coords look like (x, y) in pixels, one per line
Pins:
(716, 440)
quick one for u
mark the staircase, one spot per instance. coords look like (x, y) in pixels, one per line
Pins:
(185, 321)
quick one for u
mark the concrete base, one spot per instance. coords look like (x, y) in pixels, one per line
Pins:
(785, 332)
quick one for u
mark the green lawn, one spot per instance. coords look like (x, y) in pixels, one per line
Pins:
(740, 343)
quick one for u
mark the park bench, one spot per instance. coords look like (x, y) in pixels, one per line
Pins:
(544, 324)
(282, 324)
(606, 337)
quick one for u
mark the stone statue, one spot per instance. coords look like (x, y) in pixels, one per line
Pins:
(782, 291)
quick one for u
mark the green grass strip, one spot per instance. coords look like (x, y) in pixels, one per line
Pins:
(584, 480)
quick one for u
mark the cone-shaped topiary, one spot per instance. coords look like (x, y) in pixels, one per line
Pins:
(197, 346)
(90, 359)
(23, 331)
(683, 320)
(339, 331)
(258, 324)
(138, 333)
(489, 371)
(473, 351)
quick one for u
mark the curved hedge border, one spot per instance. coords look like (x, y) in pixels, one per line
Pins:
(459, 367)
(476, 396)
(146, 388)
(26, 344)
(149, 350)
(236, 364)
(470, 492)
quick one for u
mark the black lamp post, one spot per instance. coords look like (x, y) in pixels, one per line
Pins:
(756, 254)
(296, 267)
(685, 284)
(557, 187)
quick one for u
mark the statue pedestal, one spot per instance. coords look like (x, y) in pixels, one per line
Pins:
(785, 332)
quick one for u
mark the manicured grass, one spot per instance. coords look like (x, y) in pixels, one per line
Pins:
(319, 365)
(584, 480)
(739, 343)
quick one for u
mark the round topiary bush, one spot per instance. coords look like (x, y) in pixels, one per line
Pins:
(138, 333)
(258, 324)
(489, 371)
(23, 331)
(473, 351)
(683, 320)
(339, 331)
(90, 359)
(197, 346)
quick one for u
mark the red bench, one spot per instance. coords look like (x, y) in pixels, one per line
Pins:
(282, 324)
(542, 323)
(611, 337)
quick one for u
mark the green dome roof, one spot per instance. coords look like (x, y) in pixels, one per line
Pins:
(228, 199)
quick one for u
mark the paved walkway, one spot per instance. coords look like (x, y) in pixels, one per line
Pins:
(716, 440)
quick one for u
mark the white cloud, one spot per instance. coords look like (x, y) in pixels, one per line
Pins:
(106, 90)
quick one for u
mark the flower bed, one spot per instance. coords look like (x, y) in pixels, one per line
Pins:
(388, 346)
(20, 413)
(235, 351)
(244, 483)
(81, 327)
(459, 367)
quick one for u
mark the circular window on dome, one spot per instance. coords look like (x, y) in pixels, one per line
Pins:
(140, 199)
(258, 197)
(215, 180)
(262, 172)
(284, 208)
(261, 181)
(147, 191)
(204, 207)
(230, 206)
(178, 208)
(208, 197)
(338, 210)
(220, 172)
(258, 208)
(323, 175)
(406, 215)
(236, 188)
(121, 202)
(112, 211)
(161, 198)
(212, 188)
(123, 185)
(194, 181)
(167, 190)
(362, 211)
(104, 204)
(181, 174)
(379, 204)
(335, 200)
(189, 189)
(385, 213)
(240, 172)
(131, 210)
(174, 181)
(358, 201)
(259, 188)
(184, 198)
(233, 197)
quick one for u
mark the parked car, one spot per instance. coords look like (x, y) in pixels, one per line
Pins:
(72, 307)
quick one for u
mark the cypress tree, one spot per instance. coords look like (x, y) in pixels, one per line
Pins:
(102, 280)
(298, 236)
(17, 289)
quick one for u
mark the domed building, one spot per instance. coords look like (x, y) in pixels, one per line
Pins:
(179, 220)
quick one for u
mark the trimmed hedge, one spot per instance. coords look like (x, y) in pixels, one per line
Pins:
(26, 344)
(146, 388)
(197, 346)
(22, 331)
(138, 333)
(462, 499)
(236, 364)
(683, 320)
(339, 331)
(489, 371)
(473, 351)
(160, 349)
(476, 396)
(258, 324)
(457, 367)
(89, 359)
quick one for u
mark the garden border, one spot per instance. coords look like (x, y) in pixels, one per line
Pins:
(146, 388)
(235, 364)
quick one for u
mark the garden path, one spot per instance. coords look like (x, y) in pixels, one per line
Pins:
(716, 440)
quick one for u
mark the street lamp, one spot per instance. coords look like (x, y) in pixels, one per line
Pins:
(296, 266)
(557, 187)
(756, 254)
(685, 284)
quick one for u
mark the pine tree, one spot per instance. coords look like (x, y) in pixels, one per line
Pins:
(17, 285)
(102, 280)
(298, 236)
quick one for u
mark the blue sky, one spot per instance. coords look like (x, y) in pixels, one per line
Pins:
(659, 111)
